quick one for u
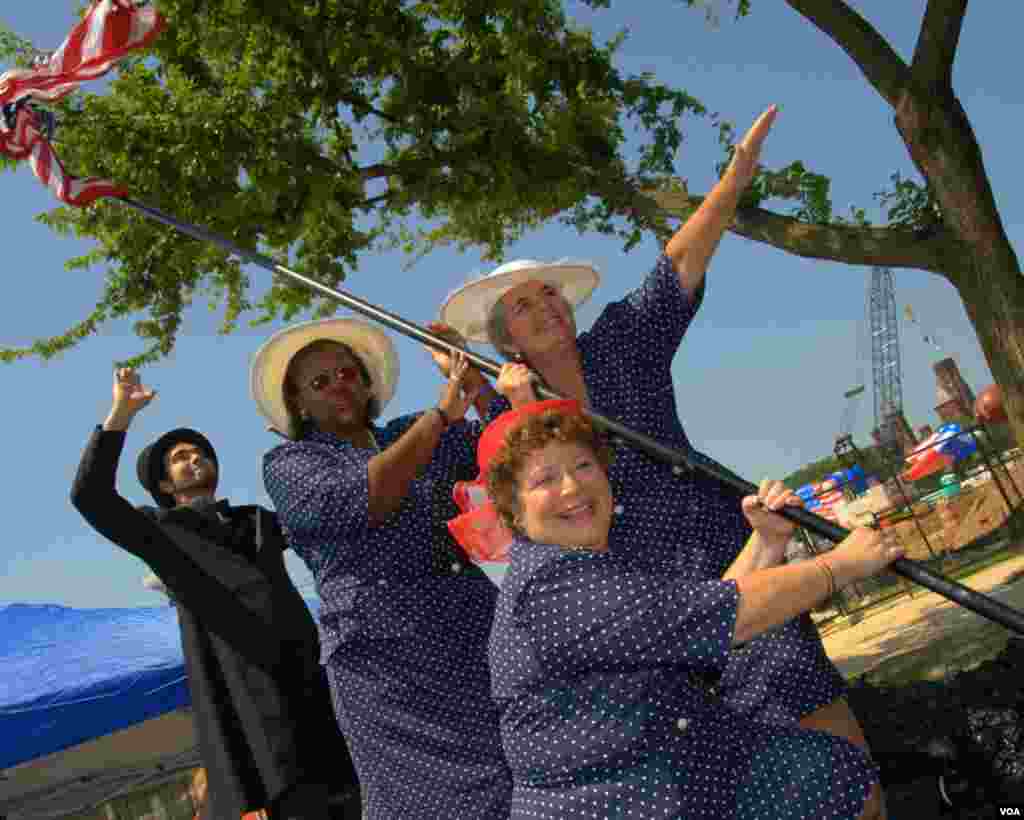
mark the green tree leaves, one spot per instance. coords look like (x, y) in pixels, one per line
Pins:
(320, 131)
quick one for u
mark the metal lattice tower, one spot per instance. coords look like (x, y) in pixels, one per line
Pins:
(893, 431)
(885, 360)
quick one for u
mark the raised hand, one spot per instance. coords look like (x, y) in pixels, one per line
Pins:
(129, 392)
(747, 154)
(130, 396)
(456, 397)
(474, 378)
(515, 383)
(761, 511)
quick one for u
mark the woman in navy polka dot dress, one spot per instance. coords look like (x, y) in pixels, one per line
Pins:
(683, 524)
(404, 616)
(593, 657)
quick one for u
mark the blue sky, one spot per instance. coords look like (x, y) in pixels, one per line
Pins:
(760, 377)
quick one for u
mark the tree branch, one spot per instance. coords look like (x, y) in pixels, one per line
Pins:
(374, 201)
(879, 63)
(378, 170)
(413, 167)
(936, 251)
(937, 42)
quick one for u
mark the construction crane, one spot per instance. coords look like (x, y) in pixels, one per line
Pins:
(886, 369)
(893, 432)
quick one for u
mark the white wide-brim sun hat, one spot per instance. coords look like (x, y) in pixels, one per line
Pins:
(270, 363)
(467, 308)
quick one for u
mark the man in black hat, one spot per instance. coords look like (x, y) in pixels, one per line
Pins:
(265, 724)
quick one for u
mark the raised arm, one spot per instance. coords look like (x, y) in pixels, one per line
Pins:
(770, 597)
(94, 495)
(587, 612)
(323, 493)
(393, 470)
(693, 245)
(475, 380)
(771, 594)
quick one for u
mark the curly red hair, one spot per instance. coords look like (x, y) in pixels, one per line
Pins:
(533, 435)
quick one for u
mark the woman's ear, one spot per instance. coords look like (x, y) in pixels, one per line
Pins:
(291, 402)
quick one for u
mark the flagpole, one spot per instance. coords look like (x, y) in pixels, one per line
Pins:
(966, 597)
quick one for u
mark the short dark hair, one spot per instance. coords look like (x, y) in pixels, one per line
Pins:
(536, 433)
(291, 389)
(151, 466)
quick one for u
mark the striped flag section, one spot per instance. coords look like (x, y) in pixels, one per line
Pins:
(26, 141)
(109, 30)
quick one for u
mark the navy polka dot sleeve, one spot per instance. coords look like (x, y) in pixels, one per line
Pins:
(654, 317)
(585, 612)
(321, 493)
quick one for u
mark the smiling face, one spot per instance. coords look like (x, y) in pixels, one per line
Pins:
(331, 387)
(538, 319)
(548, 476)
(565, 497)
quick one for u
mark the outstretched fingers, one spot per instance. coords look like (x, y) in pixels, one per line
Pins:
(755, 137)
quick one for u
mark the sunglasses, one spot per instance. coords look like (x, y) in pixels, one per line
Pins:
(347, 374)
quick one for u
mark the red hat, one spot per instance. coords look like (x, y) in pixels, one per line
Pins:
(479, 529)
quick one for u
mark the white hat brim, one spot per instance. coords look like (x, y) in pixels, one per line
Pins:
(467, 308)
(270, 363)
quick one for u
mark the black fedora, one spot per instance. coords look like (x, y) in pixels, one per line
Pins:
(150, 466)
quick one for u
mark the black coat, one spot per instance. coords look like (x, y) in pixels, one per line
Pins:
(262, 707)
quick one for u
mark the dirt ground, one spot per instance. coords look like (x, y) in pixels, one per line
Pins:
(955, 637)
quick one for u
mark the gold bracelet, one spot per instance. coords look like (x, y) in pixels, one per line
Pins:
(828, 574)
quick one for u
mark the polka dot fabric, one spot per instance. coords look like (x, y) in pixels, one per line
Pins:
(686, 524)
(404, 623)
(592, 660)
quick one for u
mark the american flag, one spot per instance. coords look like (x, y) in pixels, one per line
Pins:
(109, 31)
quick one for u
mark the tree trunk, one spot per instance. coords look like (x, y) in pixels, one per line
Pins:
(942, 145)
(994, 301)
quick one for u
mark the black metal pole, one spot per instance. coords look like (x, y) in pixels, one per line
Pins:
(975, 601)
